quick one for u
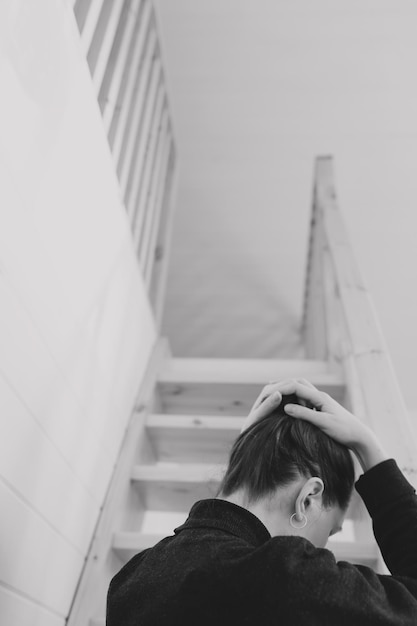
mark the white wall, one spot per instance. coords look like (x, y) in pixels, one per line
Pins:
(76, 329)
(259, 88)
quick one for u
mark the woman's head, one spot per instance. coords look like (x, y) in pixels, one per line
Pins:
(279, 452)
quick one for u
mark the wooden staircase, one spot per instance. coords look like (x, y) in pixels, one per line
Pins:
(188, 416)
(190, 442)
(189, 411)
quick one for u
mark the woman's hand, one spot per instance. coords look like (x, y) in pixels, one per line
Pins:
(335, 421)
(268, 400)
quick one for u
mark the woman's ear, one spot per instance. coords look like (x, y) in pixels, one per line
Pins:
(310, 497)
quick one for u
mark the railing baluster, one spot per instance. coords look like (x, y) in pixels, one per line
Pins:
(145, 111)
(152, 137)
(138, 77)
(104, 42)
(150, 205)
(120, 41)
(90, 24)
(116, 64)
(81, 8)
(119, 93)
(159, 268)
(157, 204)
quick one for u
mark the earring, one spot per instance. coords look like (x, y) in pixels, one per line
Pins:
(303, 523)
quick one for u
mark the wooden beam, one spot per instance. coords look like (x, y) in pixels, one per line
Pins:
(230, 386)
(192, 439)
(174, 487)
(259, 371)
(224, 398)
(191, 473)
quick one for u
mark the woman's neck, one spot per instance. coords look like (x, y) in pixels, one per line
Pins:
(274, 512)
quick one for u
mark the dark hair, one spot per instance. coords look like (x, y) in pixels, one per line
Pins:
(277, 449)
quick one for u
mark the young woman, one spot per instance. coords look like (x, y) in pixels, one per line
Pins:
(255, 554)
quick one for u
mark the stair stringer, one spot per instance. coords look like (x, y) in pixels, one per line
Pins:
(350, 336)
(121, 508)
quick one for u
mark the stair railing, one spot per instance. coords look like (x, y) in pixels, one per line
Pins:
(121, 44)
(341, 326)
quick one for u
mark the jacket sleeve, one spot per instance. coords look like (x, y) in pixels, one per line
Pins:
(345, 594)
(392, 505)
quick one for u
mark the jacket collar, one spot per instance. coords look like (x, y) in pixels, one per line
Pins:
(226, 516)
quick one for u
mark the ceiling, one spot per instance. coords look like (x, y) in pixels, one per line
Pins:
(258, 89)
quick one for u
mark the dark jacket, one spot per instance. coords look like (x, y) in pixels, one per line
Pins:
(223, 568)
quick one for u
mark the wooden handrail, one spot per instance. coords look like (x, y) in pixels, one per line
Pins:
(347, 330)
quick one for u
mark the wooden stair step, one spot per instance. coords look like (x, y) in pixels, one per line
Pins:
(230, 386)
(192, 439)
(127, 544)
(177, 486)
(173, 487)
(361, 553)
